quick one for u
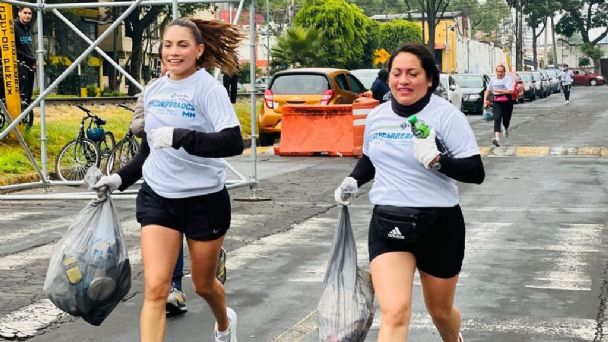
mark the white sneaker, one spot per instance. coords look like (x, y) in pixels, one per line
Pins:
(176, 302)
(230, 334)
(567, 102)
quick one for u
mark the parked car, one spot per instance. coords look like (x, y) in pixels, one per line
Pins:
(555, 79)
(366, 76)
(529, 84)
(311, 86)
(582, 77)
(541, 84)
(519, 86)
(261, 83)
(452, 90)
(473, 87)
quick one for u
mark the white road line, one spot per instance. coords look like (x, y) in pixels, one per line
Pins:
(16, 215)
(26, 321)
(570, 270)
(39, 229)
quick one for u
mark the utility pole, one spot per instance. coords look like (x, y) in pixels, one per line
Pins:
(546, 56)
(519, 53)
(267, 41)
(554, 45)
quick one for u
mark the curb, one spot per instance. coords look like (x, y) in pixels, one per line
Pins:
(544, 151)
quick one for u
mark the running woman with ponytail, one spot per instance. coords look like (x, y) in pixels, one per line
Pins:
(190, 125)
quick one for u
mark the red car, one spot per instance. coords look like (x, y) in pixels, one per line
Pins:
(519, 87)
(582, 77)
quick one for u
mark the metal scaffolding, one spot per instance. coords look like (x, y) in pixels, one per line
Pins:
(41, 7)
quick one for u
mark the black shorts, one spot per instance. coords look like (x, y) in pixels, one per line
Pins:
(204, 218)
(439, 252)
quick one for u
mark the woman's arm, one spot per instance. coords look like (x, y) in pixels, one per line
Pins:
(466, 170)
(225, 143)
(364, 171)
(132, 172)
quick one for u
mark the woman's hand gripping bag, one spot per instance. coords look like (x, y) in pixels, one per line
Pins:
(346, 308)
(89, 272)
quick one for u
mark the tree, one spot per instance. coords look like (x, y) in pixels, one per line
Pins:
(300, 47)
(432, 11)
(393, 34)
(582, 16)
(486, 17)
(345, 29)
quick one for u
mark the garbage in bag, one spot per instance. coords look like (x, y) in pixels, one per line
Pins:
(89, 272)
(346, 308)
(488, 114)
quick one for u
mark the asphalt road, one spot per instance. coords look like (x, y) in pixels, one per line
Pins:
(536, 264)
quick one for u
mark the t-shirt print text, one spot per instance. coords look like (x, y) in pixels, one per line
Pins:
(174, 107)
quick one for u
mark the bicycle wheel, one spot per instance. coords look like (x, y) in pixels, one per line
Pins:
(121, 155)
(107, 144)
(2, 121)
(75, 158)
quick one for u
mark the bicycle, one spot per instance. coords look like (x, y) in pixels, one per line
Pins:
(124, 151)
(90, 146)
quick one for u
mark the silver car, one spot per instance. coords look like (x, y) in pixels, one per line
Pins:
(555, 78)
(542, 84)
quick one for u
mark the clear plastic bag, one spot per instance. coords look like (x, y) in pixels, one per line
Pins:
(346, 308)
(89, 273)
(488, 114)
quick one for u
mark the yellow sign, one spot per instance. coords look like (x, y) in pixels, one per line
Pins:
(8, 54)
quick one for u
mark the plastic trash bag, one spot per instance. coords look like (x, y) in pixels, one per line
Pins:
(346, 308)
(488, 115)
(89, 273)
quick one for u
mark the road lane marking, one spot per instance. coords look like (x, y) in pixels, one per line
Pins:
(574, 328)
(16, 216)
(569, 271)
(37, 229)
(27, 321)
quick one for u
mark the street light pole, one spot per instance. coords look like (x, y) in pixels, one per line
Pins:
(267, 42)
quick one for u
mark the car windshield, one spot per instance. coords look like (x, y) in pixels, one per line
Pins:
(525, 77)
(299, 84)
(469, 81)
(367, 77)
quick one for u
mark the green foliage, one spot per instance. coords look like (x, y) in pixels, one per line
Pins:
(91, 90)
(582, 16)
(393, 34)
(592, 51)
(244, 73)
(345, 29)
(300, 47)
(486, 17)
(584, 61)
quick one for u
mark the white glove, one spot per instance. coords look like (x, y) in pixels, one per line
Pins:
(346, 191)
(162, 137)
(425, 150)
(107, 184)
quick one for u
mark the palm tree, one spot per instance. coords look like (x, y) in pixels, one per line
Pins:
(300, 47)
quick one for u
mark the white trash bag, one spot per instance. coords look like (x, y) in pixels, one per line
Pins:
(346, 308)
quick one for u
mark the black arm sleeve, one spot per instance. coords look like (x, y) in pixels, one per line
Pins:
(133, 171)
(225, 143)
(466, 170)
(364, 171)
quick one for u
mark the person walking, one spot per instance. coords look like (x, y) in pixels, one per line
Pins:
(566, 80)
(231, 82)
(176, 301)
(24, 44)
(501, 87)
(380, 86)
(190, 125)
(416, 222)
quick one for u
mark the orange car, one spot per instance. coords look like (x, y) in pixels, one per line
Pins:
(311, 86)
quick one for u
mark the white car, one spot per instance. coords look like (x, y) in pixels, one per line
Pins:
(366, 76)
(453, 92)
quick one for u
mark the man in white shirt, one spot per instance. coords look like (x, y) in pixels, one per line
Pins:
(567, 78)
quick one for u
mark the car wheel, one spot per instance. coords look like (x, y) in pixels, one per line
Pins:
(593, 82)
(266, 139)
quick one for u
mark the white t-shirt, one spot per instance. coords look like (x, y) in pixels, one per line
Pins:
(567, 77)
(400, 179)
(505, 83)
(199, 103)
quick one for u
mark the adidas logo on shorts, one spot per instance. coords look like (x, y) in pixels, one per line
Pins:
(396, 234)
